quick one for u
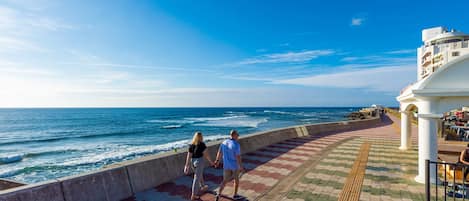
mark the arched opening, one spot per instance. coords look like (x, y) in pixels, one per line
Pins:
(413, 110)
(408, 117)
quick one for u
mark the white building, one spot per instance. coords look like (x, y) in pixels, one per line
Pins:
(442, 85)
(440, 46)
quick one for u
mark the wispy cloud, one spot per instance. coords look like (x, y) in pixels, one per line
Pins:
(9, 44)
(246, 77)
(33, 5)
(81, 58)
(288, 57)
(349, 59)
(380, 60)
(49, 24)
(383, 72)
(386, 79)
(19, 24)
(357, 21)
(25, 21)
(159, 91)
(283, 72)
(136, 66)
(404, 51)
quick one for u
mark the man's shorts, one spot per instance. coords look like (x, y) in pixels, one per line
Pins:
(228, 175)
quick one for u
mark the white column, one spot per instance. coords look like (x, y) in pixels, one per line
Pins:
(406, 132)
(428, 147)
(427, 139)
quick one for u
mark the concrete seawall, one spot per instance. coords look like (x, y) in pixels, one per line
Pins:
(121, 180)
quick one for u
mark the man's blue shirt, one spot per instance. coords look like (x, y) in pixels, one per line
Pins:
(230, 149)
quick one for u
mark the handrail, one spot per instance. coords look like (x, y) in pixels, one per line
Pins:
(443, 181)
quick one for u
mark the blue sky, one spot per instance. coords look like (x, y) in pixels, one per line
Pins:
(212, 53)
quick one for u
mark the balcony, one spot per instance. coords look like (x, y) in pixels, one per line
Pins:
(426, 62)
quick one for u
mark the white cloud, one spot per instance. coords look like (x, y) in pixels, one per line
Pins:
(245, 77)
(289, 57)
(149, 91)
(49, 24)
(23, 71)
(34, 5)
(15, 21)
(356, 21)
(385, 79)
(136, 66)
(9, 44)
(19, 24)
(377, 60)
(349, 59)
(403, 51)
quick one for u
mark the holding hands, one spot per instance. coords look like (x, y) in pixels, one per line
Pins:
(186, 169)
(216, 164)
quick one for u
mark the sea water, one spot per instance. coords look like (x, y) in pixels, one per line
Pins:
(42, 144)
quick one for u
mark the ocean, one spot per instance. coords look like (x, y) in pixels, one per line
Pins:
(42, 144)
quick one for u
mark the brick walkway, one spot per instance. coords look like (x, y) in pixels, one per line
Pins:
(389, 172)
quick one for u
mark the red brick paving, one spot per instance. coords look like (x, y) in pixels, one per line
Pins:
(280, 157)
(277, 165)
(281, 150)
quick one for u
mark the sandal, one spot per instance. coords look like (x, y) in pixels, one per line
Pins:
(204, 188)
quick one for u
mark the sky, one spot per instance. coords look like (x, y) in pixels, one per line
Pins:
(213, 53)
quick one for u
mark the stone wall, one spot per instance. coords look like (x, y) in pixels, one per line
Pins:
(121, 180)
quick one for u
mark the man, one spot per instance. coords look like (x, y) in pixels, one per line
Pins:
(231, 153)
(464, 159)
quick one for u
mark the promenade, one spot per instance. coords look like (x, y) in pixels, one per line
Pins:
(317, 168)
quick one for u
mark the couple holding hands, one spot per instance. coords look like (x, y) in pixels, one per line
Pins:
(229, 151)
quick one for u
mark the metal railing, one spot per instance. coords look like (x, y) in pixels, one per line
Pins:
(450, 177)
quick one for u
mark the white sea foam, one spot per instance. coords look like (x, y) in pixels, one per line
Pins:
(127, 152)
(310, 119)
(235, 121)
(171, 121)
(291, 113)
(172, 126)
(277, 112)
(232, 119)
(8, 172)
(204, 119)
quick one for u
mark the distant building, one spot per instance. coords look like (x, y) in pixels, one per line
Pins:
(439, 47)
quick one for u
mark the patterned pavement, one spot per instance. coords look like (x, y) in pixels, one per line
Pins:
(389, 171)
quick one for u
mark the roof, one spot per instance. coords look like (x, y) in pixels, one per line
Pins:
(447, 35)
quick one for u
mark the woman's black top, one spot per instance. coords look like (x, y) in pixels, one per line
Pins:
(197, 150)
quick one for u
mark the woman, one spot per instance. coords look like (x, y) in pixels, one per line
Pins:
(197, 150)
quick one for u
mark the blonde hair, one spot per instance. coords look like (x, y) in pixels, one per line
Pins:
(197, 138)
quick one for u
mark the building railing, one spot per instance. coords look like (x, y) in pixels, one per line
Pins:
(449, 182)
(446, 46)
